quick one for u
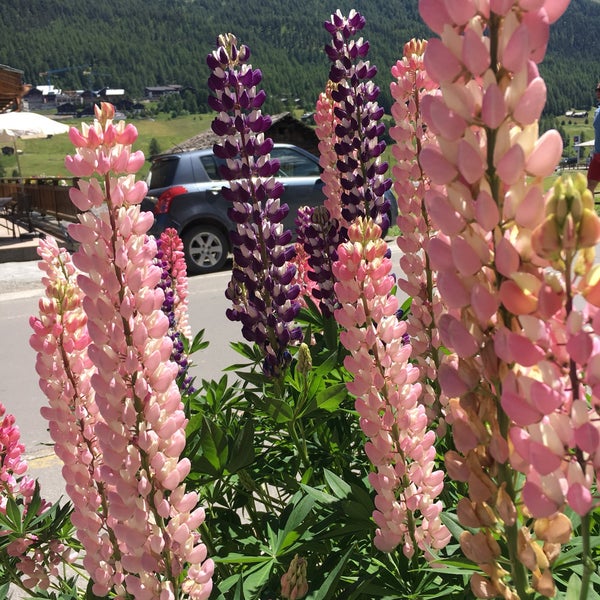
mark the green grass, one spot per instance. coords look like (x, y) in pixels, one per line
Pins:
(45, 158)
(577, 126)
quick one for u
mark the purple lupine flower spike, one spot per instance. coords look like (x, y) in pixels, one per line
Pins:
(320, 236)
(362, 172)
(168, 307)
(263, 298)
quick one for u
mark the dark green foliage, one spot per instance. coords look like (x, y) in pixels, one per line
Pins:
(143, 43)
(281, 470)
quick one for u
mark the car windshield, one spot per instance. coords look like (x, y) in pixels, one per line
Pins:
(162, 173)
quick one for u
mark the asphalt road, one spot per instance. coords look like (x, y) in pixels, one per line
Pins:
(20, 290)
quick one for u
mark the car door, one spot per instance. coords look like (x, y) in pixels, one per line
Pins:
(300, 173)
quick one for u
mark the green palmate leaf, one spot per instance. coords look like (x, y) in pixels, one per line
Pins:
(194, 424)
(319, 496)
(197, 343)
(310, 313)
(339, 488)
(573, 588)
(256, 379)
(327, 366)
(290, 533)
(256, 577)
(328, 587)
(240, 559)
(13, 516)
(242, 452)
(214, 446)
(249, 351)
(278, 410)
(331, 397)
(450, 520)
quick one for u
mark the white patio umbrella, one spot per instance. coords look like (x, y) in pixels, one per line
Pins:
(25, 126)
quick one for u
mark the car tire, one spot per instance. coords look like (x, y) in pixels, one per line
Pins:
(205, 248)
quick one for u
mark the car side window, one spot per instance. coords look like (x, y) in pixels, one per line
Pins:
(294, 164)
(211, 166)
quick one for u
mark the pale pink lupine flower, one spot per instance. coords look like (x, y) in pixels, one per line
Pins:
(151, 548)
(553, 405)
(488, 164)
(61, 340)
(172, 249)
(325, 121)
(387, 397)
(409, 89)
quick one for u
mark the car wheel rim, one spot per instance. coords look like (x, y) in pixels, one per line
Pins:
(206, 249)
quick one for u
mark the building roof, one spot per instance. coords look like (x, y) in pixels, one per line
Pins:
(285, 128)
(11, 88)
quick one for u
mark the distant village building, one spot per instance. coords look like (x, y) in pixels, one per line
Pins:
(42, 95)
(161, 90)
(576, 113)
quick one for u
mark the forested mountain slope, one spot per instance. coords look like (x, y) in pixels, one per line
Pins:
(141, 43)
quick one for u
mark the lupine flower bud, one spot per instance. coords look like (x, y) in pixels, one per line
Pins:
(304, 359)
(293, 582)
(571, 221)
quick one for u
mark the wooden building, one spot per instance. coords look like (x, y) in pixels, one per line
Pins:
(12, 88)
(285, 129)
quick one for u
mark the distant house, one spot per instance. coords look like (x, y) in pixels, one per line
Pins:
(161, 90)
(285, 129)
(67, 108)
(42, 95)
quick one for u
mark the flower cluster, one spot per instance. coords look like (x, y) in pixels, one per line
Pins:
(410, 134)
(319, 235)
(387, 396)
(137, 524)
(36, 558)
(60, 338)
(326, 122)
(173, 282)
(13, 481)
(554, 403)
(487, 167)
(358, 126)
(261, 290)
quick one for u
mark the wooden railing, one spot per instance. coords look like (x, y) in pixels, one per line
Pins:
(41, 203)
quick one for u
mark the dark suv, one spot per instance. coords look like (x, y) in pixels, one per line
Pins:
(185, 193)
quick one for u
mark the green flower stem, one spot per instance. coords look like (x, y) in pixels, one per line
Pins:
(300, 443)
(586, 558)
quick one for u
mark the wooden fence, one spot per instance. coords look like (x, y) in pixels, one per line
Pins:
(41, 204)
